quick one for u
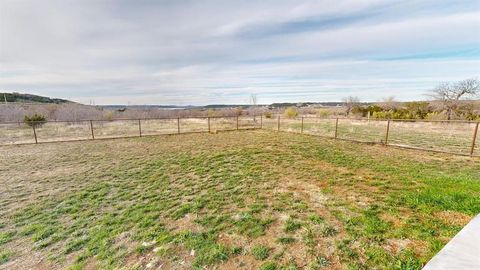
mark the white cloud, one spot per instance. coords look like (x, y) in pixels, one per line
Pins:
(197, 52)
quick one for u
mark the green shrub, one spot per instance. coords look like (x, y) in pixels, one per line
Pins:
(36, 120)
(260, 252)
(268, 115)
(324, 113)
(291, 112)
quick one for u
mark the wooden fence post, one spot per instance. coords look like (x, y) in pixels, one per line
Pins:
(91, 129)
(302, 125)
(278, 124)
(336, 128)
(237, 122)
(139, 128)
(34, 133)
(475, 132)
(386, 133)
(261, 121)
(178, 125)
(208, 124)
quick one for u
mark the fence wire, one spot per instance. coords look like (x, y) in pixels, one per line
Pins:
(455, 137)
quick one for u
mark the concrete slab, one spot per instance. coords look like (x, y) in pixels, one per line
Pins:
(462, 252)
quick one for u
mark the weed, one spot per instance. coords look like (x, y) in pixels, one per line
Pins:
(268, 266)
(260, 252)
(291, 225)
(5, 256)
(286, 240)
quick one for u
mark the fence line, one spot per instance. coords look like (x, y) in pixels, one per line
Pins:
(453, 137)
(61, 131)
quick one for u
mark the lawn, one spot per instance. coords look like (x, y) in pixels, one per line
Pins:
(233, 200)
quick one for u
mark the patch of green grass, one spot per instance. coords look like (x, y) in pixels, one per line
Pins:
(316, 219)
(291, 225)
(268, 266)
(329, 231)
(260, 252)
(6, 237)
(286, 240)
(251, 226)
(207, 250)
(5, 256)
(289, 266)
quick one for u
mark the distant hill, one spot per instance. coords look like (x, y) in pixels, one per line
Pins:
(28, 98)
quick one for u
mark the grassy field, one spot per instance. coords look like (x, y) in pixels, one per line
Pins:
(233, 200)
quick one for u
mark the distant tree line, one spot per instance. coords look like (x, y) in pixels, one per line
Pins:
(450, 101)
(28, 98)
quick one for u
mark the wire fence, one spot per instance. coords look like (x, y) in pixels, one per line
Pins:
(455, 137)
(57, 131)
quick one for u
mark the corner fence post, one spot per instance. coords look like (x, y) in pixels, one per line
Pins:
(386, 133)
(91, 129)
(139, 128)
(208, 124)
(261, 121)
(475, 132)
(302, 125)
(237, 122)
(178, 125)
(336, 128)
(278, 124)
(34, 133)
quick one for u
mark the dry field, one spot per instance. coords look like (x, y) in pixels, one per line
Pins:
(455, 137)
(232, 200)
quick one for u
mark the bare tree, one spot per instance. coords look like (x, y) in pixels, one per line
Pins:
(253, 99)
(350, 102)
(451, 94)
(389, 103)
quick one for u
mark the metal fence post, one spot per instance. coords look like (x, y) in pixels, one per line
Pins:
(91, 129)
(278, 124)
(139, 128)
(237, 122)
(208, 124)
(34, 133)
(475, 132)
(178, 125)
(336, 128)
(386, 133)
(261, 121)
(302, 125)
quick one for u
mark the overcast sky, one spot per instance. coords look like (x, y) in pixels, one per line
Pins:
(203, 52)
